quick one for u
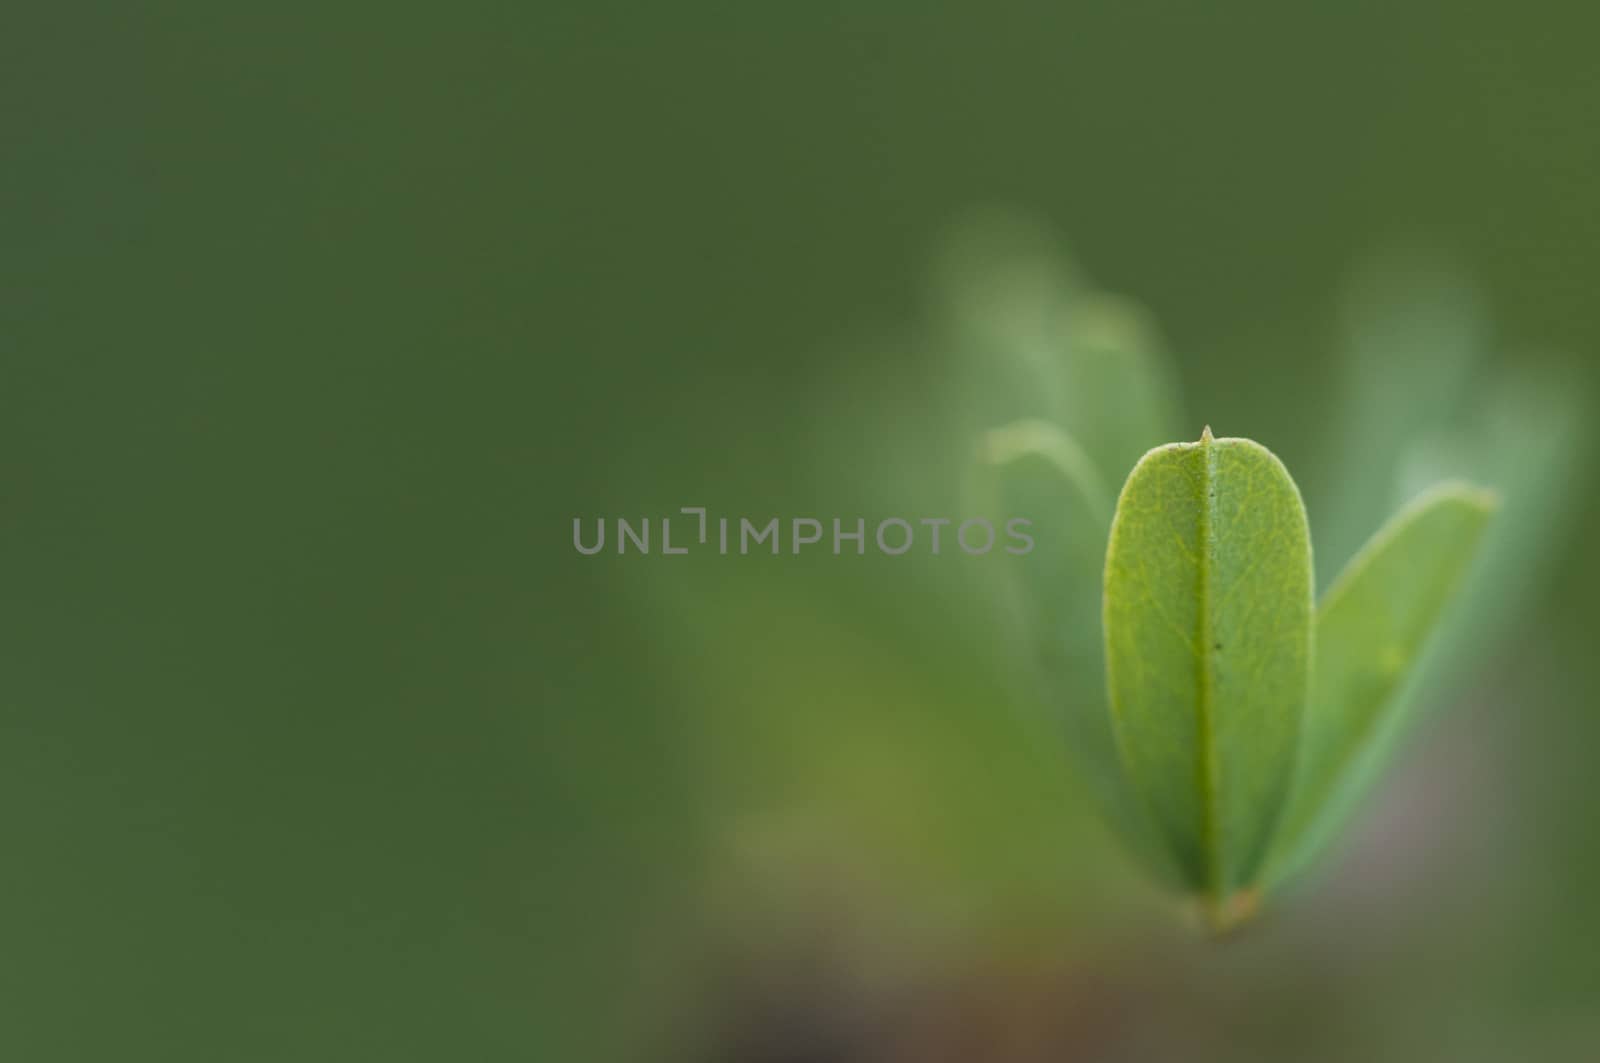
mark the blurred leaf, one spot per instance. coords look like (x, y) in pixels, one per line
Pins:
(1003, 289)
(1530, 443)
(1050, 605)
(1033, 340)
(1415, 336)
(1041, 446)
(1049, 597)
(1000, 274)
(1208, 647)
(1121, 392)
(1371, 628)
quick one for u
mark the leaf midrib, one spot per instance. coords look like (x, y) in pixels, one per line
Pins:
(1206, 769)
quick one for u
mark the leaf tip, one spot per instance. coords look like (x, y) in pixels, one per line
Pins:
(1488, 500)
(1206, 436)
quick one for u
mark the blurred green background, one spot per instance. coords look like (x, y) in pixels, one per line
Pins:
(320, 324)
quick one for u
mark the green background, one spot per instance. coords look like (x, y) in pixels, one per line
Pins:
(319, 324)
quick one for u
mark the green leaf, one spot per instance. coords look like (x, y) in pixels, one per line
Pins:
(1031, 338)
(1040, 447)
(1049, 597)
(1372, 627)
(1415, 339)
(1050, 606)
(1208, 625)
(1121, 395)
(1529, 442)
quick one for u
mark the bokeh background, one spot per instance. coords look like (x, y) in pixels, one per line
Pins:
(319, 324)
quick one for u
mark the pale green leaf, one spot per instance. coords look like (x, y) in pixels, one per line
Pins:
(1049, 595)
(1032, 338)
(1208, 625)
(1121, 394)
(1530, 441)
(1372, 627)
(1415, 337)
(1050, 599)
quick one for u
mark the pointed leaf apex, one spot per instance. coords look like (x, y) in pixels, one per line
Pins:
(1206, 436)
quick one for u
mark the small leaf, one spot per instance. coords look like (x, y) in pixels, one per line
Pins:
(1031, 338)
(1531, 441)
(1208, 592)
(1051, 605)
(1415, 338)
(1050, 595)
(1121, 397)
(1043, 445)
(1372, 626)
